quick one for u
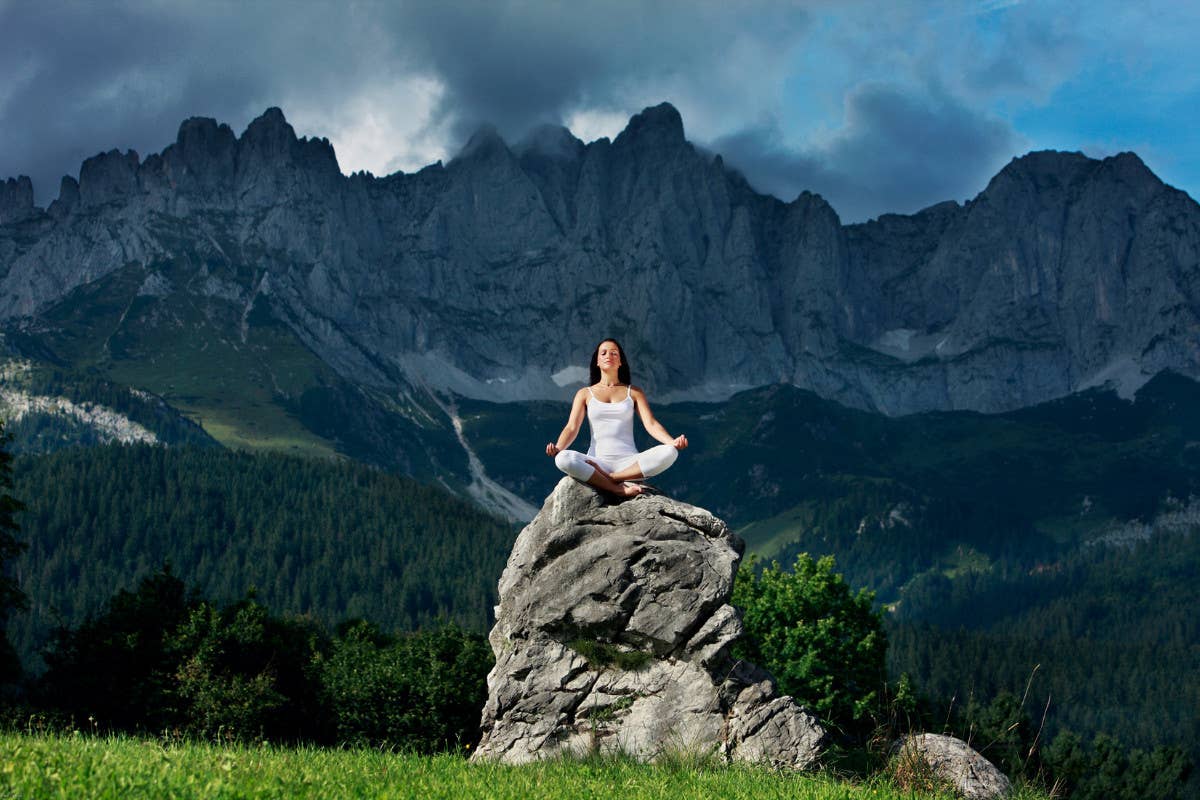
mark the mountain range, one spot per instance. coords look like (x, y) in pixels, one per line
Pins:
(491, 276)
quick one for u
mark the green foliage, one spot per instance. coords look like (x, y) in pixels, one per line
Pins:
(892, 497)
(1111, 631)
(421, 691)
(116, 667)
(824, 644)
(1002, 731)
(605, 654)
(243, 673)
(261, 389)
(324, 539)
(160, 659)
(11, 596)
(1105, 770)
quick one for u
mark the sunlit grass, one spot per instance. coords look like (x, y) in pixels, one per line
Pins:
(272, 431)
(79, 766)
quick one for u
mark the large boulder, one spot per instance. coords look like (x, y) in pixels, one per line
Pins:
(613, 635)
(954, 762)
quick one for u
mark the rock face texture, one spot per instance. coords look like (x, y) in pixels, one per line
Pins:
(955, 762)
(613, 635)
(492, 274)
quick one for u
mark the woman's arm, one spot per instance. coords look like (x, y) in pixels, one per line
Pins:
(578, 410)
(653, 426)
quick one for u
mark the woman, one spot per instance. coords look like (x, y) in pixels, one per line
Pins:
(612, 462)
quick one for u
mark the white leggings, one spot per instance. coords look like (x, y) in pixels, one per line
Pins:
(650, 462)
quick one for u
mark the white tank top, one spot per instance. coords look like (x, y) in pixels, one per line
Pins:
(612, 427)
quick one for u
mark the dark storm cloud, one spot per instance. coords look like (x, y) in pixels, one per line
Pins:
(80, 78)
(899, 151)
(70, 89)
(514, 64)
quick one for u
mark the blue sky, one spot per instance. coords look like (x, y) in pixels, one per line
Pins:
(878, 106)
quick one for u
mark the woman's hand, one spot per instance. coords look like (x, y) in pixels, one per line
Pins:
(552, 449)
(680, 442)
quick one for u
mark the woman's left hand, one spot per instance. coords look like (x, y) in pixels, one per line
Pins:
(680, 442)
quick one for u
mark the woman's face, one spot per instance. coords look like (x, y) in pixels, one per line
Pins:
(609, 356)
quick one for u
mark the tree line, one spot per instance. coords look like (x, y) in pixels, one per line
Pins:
(332, 540)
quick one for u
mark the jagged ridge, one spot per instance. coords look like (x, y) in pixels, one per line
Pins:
(488, 275)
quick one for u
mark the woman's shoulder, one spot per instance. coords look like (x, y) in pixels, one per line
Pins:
(636, 391)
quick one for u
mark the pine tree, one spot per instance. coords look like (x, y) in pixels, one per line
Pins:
(11, 596)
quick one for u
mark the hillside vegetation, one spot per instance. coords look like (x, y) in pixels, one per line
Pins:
(325, 539)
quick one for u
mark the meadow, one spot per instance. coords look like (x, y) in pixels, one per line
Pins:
(77, 765)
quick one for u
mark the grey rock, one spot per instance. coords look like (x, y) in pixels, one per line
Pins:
(68, 198)
(490, 274)
(16, 200)
(648, 578)
(109, 178)
(955, 762)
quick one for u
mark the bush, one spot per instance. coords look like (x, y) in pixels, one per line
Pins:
(423, 691)
(160, 659)
(117, 667)
(824, 645)
(243, 673)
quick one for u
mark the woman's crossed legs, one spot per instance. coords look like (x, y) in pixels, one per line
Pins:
(612, 475)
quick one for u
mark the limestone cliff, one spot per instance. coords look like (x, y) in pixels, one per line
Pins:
(494, 273)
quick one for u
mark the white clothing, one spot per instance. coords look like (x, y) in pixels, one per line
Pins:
(612, 444)
(612, 427)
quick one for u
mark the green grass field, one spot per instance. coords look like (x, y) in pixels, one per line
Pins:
(79, 766)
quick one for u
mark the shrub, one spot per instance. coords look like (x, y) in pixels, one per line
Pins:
(422, 691)
(243, 673)
(824, 644)
(117, 667)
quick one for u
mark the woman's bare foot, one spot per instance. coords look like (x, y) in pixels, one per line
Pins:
(619, 488)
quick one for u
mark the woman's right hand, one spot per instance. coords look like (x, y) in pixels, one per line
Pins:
(552, 450)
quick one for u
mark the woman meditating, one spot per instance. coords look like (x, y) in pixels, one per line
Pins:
(612, 462)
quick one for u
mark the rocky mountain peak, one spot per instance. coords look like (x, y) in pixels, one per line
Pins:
(270, 129)
(68, 198)
(1049, 178)
(550, 141)
(1049, 168)
(656, 126)
(108, 177)
(204, 135)
(270, 139)
(485, 144)
(1088, 265)
(1128, 170)
(16, 199)
(1042, 169)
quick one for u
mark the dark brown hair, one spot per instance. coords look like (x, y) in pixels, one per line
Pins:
(622, 371)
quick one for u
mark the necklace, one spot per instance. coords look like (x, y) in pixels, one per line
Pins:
(607, 385)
